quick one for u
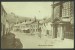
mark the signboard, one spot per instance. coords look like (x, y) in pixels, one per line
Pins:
(66, 19)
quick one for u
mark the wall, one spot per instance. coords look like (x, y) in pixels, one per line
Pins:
(3, 21)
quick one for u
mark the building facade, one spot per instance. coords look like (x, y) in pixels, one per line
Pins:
(46, 27)
(3, 21)
(61, 24)
(34, 26)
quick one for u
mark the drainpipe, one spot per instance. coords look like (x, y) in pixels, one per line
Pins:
(53, 11)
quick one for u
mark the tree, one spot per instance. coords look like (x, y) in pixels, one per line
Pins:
(11, 18)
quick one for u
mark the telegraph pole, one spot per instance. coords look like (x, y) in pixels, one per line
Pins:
(53, 10)
(39, 28)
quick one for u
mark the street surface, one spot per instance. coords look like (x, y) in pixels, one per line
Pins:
(34, 41)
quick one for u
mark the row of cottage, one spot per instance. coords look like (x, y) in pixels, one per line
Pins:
(63, 20)
(34, 27)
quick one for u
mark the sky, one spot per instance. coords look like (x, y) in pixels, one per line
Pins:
(29, 9)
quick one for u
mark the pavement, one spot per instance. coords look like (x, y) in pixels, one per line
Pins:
(29, 41)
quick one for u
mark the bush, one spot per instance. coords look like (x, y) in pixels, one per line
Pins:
(18, 43)
(9, 41)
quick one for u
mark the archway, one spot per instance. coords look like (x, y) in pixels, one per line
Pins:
(56, 22)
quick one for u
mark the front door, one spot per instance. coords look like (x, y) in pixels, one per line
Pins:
(47, 32)
(56, 30)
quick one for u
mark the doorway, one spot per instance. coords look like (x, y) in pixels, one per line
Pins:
(56, 30)
(47, 32)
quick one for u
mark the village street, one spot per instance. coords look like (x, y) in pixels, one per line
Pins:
(34, 25)
(34, 41)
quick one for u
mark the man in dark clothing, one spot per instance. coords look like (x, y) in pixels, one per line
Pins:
(39, 32)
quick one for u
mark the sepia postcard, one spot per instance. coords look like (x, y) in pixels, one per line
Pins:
(34, 25)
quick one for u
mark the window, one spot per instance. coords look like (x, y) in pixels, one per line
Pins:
(66, 9)
(25, 20)
(30, 19)
(36, 29)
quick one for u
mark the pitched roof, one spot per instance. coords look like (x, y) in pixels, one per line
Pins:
(11, 18)
(3, 8)
(45, 21)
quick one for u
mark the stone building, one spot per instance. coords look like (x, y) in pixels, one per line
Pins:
(3, 21)
(25, 27)
(34, 26)
(45, 27)
(61, 23)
